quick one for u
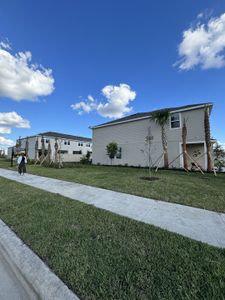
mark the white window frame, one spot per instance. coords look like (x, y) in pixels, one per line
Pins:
(180, 119)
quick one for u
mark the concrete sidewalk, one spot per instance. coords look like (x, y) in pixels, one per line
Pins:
(10, 286)
(198, 224)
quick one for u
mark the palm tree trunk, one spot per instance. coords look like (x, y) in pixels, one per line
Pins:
(184, 146)
(165, 148)
(27, 147)
(208, 140)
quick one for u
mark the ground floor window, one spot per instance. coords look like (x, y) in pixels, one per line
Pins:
(119, 153)
(63, 151)
(77, 152)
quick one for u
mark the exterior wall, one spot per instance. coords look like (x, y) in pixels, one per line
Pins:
(31, 148)
(9, 154)
(68, 157)
(130, 136)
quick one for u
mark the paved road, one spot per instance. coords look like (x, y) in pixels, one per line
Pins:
(198, 224)
(10, 287)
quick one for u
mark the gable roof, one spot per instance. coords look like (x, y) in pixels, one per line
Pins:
(60, 135)
(145, 115)
(65, 136)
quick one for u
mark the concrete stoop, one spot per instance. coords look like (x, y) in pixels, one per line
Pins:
(35, 278)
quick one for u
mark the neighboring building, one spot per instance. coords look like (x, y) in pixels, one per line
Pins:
(130, 134)
(71, 147)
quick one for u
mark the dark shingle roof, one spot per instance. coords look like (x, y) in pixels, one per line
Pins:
(65, 136)
(146, 114)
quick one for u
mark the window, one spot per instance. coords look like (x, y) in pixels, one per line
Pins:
(119, 153)
(88, 145)
(77, 152)
(175, 120)
(65, 142)
(46, 141)
(80, 144)
(63, 151)
(68, 142)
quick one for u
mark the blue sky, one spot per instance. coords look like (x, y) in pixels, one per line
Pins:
(91, 45)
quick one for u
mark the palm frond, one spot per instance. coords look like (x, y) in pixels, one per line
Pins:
(161, 117)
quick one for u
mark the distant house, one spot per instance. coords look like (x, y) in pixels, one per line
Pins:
(130, 134)
(71, 147)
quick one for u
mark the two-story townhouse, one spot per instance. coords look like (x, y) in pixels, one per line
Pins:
(71, 147)
(130, 134)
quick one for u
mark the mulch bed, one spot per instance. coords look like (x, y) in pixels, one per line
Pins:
(152, 178)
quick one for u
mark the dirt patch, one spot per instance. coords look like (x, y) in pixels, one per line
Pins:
(152, 178)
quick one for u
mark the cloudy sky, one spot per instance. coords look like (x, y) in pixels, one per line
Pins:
(67, 65)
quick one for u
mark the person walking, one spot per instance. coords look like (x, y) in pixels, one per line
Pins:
(22, 161)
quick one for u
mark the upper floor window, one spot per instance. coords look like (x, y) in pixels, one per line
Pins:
(88, 145)
(47, 141)
(65, 142)
(175, 120)
(80, 144)
(68, 142)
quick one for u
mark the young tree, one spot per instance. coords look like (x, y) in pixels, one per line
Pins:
(208, 139)
(42, 148)
(112, 149)
(49, 154)
(147, 151)
(56, 147)
(161, 117)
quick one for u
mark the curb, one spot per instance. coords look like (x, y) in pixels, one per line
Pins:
(31, 271)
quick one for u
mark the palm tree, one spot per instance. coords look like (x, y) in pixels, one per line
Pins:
(27, 147)
(208, 139)
(161, 118)
(184, 144)
(36, 150)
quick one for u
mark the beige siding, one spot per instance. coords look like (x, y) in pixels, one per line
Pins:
(131, 136)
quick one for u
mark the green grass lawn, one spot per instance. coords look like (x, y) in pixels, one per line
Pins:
(191, 189)
(100, 255)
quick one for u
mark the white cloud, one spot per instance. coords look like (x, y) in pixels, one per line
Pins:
(5, 45)
(117, 102)
(90, 98)
(5, 130)
(203, 45)
(12, 119)
(222, 144)
(200, 15)
(20, 79)
(83, 107)
(6, 142)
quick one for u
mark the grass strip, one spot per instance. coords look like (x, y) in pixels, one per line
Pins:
(193, 189)
(100, 255)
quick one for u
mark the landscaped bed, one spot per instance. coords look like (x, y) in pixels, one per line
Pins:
(100, 255)
(194, 189)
